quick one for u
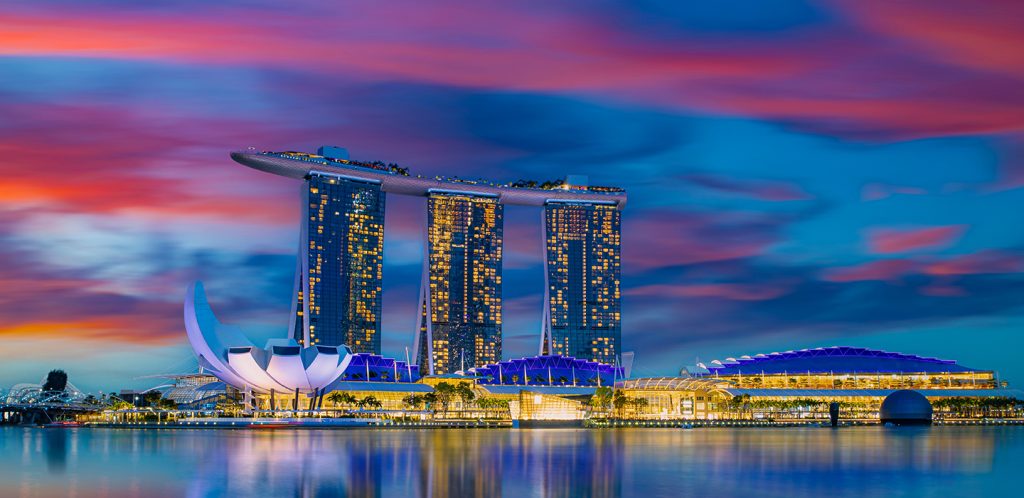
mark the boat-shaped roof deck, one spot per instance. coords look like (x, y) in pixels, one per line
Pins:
(395, 179)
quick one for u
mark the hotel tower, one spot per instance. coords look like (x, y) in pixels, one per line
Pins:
(460, 324)
(582, 274)
(340, 264)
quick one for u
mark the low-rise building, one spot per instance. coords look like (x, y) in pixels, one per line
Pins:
(802, 384)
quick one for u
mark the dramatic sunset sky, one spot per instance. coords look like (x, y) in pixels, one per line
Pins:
(800, 174)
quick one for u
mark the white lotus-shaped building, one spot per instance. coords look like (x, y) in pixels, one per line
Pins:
(281, 365)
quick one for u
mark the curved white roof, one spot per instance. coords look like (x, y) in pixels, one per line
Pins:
(229, 355)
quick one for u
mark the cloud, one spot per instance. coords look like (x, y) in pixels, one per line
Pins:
(983, 262)
(762, 190)
(894, 295)
(987, 262)
(940, 290)
(669, 238)
(957, 32)
(875, 191)
(885, 269)
(901, 240)
(102, 159)
(728, 291)
(823, 74)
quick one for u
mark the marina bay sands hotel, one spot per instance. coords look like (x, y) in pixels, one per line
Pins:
(339, 271)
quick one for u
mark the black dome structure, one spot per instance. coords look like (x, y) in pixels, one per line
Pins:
(906, 407)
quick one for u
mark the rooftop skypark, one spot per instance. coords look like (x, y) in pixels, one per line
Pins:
(330, 156)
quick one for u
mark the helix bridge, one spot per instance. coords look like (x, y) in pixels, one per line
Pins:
(31, 404)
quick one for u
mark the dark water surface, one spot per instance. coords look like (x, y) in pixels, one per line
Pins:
(754, 462)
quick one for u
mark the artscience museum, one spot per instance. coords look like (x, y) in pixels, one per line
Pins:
(281, 365)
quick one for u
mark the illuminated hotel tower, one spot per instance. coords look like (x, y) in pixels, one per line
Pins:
(460, 320)
(582, 267)
(338, 276)
(338, 282)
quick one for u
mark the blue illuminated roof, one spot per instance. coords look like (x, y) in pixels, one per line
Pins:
(836, 359)
(370, 367)
(548, 370)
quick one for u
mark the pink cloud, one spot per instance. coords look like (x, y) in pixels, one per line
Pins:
(834, 78)
(108, 160)
(954, 31)
(941, 290)
(892, 240)
(984, 262)
(726, 291)
(886, 269)
(991, 261)
(878, 191)
(686, 238)
(763, 190)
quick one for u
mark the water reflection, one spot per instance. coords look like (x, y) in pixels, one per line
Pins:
(545, 463)
(56, 442)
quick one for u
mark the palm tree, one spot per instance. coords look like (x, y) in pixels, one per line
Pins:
(492, 403)
(444, 392)
(465, 393)
(341, 398)
(413, 401)
(334, 398)
(430, 399)
(602, 397)
(370, 402)
(619, 401)
(638, 403)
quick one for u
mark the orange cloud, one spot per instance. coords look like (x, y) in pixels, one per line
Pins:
(135, 330)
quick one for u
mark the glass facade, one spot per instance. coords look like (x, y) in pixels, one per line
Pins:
(460, 321)
(338, 288)
(583, 242)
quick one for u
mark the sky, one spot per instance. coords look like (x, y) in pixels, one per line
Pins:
(800, 174)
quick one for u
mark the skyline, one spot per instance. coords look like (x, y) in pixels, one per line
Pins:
(800, 175)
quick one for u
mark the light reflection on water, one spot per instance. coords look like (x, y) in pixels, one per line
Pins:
(939, 461)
